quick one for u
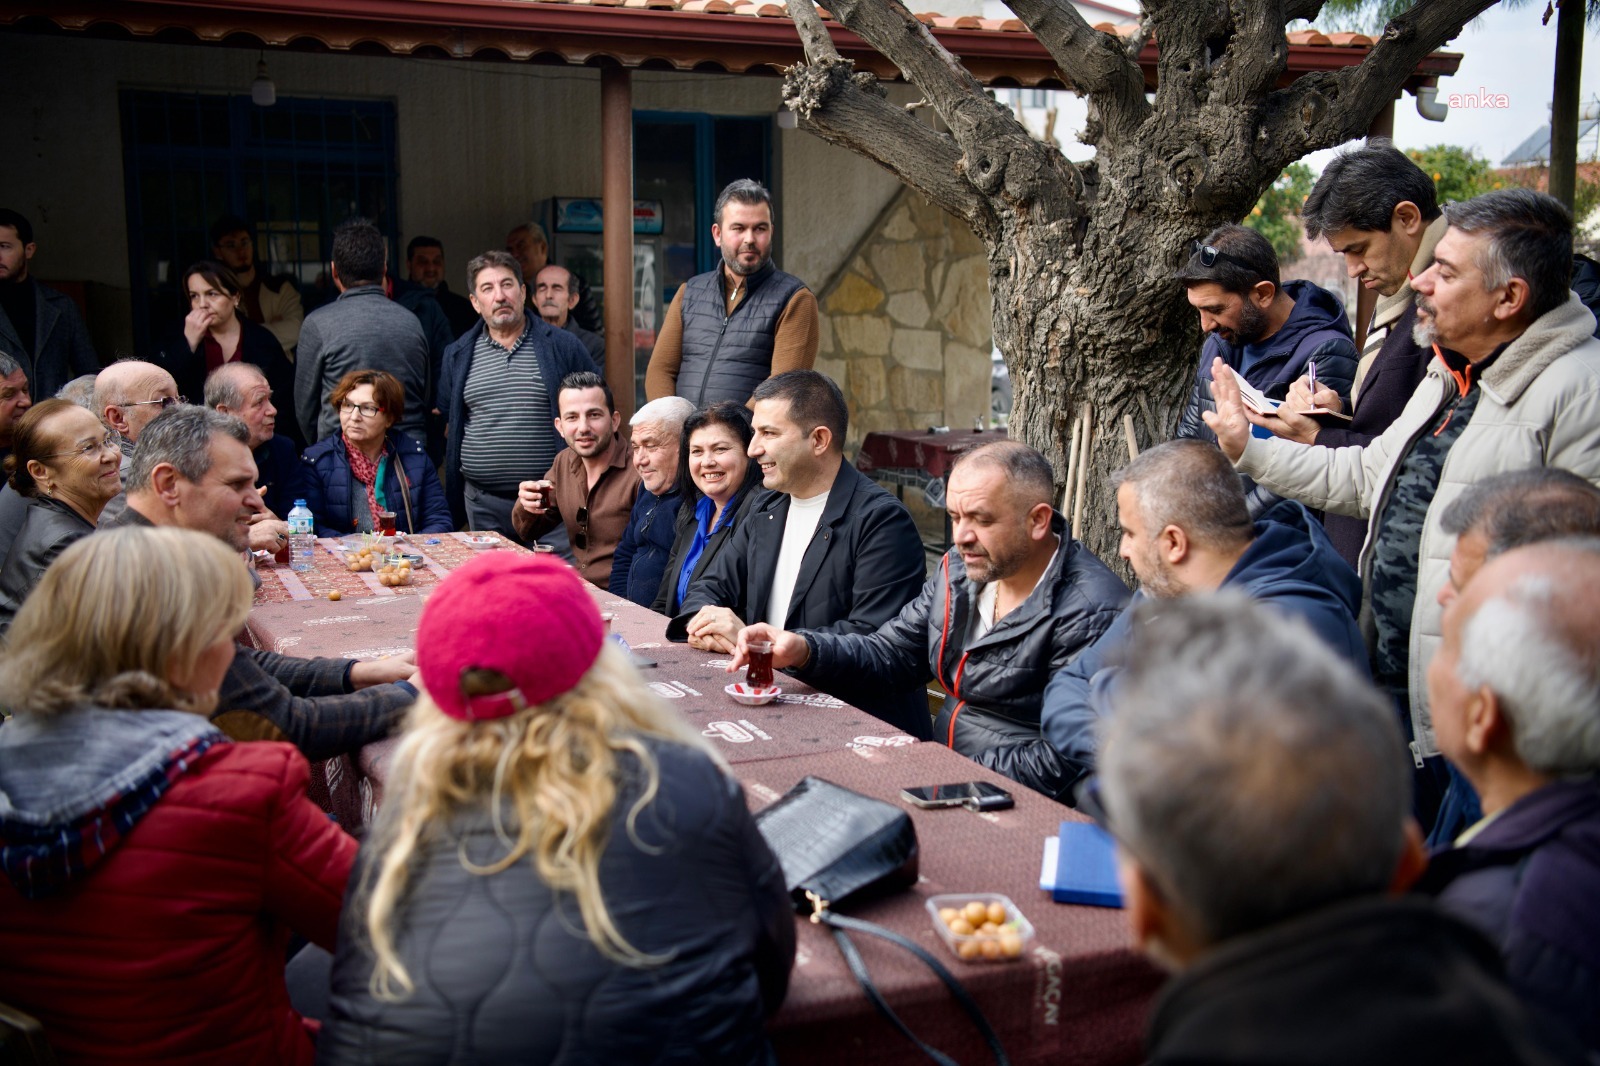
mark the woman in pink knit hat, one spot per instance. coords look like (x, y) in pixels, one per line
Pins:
(562, 870)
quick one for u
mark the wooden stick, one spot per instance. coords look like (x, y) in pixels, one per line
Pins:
(1083, 467)
(1072, 465)
(1133, 439)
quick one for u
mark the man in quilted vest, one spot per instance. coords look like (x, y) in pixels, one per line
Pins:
(732, 328)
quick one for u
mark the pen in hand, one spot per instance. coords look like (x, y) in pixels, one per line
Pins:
(1313, 369)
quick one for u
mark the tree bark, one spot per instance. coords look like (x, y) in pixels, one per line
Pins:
(1081, 257)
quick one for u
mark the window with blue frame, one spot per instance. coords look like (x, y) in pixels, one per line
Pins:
(683, 160)
(294, 171)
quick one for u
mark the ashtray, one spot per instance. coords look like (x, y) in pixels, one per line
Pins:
(753, 697)
(975, 936)
(483, 542)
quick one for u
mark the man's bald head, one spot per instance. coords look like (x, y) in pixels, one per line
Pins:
(1527, 628)
(1026, 471)
(127, 395)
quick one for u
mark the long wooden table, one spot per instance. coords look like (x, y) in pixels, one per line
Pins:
(1078, 996)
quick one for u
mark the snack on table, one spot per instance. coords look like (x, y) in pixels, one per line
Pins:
(981, 926)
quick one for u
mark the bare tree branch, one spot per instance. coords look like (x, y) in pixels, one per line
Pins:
(1325, 109)
(902, 39)
(849, 109)
(813, 34)
(999, 156)
(1094, 62)
(1134, 45)
(1256, 55)
(1301, 9)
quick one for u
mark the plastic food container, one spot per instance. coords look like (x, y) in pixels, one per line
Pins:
(1008, 944)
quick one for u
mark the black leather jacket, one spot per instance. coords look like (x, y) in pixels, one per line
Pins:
(48, 529)
(505, 974)
(996, 683)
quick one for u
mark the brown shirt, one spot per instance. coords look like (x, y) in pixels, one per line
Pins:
(606, 509)
(793, 348)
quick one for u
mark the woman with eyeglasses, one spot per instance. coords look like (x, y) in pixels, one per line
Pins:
(719, 482)
(370, 467)
(68, 466)
(214, 332)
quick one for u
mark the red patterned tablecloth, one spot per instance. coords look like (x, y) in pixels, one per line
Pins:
(1079, 995)
(441, 553)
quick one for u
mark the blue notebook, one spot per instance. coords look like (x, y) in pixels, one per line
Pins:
(1086, 868)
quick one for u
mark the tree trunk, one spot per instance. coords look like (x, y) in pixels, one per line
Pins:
(1081, 258)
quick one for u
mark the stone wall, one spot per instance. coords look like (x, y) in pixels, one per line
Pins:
(906, 323)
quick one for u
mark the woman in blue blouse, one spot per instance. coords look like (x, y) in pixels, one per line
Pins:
(719, 482)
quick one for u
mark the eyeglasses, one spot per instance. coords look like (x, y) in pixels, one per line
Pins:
(165, 402)
(580, 539)
(1209, 256)
(365, 410)
(111, 441)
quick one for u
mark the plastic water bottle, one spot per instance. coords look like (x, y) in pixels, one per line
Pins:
(302, 537)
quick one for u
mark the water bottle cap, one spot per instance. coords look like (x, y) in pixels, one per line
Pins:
(299, 503)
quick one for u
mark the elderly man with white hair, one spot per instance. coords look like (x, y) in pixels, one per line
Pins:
(1515, 692)
(1258, 789)
(642, 553)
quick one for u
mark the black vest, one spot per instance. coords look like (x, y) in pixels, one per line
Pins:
(726, 356)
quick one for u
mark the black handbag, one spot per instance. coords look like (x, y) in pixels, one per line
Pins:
(836, 845)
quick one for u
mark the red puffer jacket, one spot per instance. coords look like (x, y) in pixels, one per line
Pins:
(170, 948)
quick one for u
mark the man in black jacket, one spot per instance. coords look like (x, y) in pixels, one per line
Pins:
(40, 328)
(826, 549)
(1015, 600)
(1258, 791)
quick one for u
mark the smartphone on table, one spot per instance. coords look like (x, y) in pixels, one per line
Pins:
(974, 795)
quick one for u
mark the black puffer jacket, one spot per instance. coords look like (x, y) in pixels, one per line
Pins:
(997, 682)
(505, 974)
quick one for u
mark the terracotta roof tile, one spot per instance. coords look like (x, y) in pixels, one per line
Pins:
(1350, 40)
(1307, 37)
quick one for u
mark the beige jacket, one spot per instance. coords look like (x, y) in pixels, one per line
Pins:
(1540, 407)
(282, 313)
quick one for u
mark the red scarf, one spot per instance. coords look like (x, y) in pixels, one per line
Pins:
(365, 471)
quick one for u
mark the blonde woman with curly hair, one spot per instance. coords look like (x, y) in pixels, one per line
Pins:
(562, 871)
(153, 870)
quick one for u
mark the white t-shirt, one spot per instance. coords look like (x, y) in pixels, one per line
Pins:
(797, 532)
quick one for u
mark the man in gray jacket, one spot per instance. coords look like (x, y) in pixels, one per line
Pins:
(362, 330)
(1014, 600)
(1515, 382)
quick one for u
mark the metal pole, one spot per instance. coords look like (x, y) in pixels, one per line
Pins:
(1564, 102)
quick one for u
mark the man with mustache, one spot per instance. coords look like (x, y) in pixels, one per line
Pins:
(497, 390)
(731, 328)
(1269, 331)
(1515, 383)
(555, 296)
(590, 488)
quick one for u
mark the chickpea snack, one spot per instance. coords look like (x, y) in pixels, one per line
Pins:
(981, 926)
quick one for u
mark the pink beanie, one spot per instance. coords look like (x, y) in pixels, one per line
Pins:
(527, 616)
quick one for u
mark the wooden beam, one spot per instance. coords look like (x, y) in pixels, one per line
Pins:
(616, 184)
